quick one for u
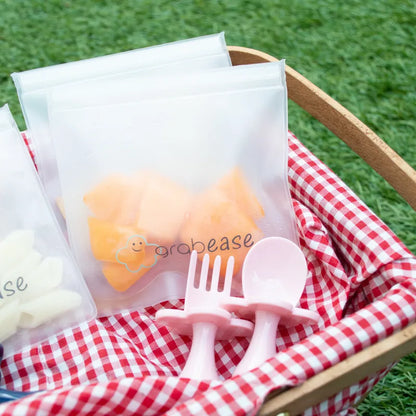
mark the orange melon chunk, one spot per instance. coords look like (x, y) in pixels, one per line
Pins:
(127, 255)
(119, 277)
(116, 199)
(163, 206)
(107, 238)
(236, 187)
(222, 227)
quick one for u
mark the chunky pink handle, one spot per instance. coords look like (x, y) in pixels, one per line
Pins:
(263, 343)
(200, 364)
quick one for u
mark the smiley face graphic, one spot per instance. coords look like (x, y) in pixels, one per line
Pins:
(136, 244)
(137, 254)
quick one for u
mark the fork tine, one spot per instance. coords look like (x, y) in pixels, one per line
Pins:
(228, 276)
(204, 273)
(190, 283)
(216, 274)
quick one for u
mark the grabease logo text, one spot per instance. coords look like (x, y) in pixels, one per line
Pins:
(223, 244)
(12, 286)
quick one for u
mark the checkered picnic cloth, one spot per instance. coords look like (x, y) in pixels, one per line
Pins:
(361, 281)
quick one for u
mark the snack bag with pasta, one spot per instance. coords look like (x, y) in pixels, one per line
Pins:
(41, 288)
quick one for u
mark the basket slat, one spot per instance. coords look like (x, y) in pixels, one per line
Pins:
(342, 375)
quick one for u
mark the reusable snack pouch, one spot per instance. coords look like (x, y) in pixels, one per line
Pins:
(41, 289)
(200, 166)
(33, 87)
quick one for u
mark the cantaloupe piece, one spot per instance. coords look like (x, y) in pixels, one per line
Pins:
(222, 226)
(163, 207)
(107, 238)
(119, 277)
(236, 187)
(116, 198)
(127, 255)
(104, 199)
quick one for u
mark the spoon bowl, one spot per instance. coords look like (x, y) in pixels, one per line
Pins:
(274, 269)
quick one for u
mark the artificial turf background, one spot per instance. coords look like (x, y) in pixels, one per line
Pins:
(362, 53)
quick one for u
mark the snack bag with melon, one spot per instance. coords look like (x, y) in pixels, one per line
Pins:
(42, 290)
(200, 165)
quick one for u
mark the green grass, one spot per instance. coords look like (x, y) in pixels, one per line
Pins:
(395, 394)
(359, 52)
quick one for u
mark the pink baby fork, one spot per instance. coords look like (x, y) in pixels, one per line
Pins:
(204, 317)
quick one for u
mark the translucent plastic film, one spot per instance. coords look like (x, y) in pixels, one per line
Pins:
(34, 85)
(200, 166)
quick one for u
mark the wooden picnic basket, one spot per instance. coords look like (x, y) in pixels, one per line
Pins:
(362, 282)
(376, 153)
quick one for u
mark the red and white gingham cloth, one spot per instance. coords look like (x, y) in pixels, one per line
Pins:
(361, 281)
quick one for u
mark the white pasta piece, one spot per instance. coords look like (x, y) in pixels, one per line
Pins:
(46, 276)
(4, 299)
(29, 263)
(14, 247)
(47, 307)
(9, 318)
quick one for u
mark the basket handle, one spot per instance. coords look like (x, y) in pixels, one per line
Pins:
(363, 141)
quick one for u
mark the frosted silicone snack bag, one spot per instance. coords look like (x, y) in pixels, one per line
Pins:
(34, 85)
(41, 289)
(202, 166)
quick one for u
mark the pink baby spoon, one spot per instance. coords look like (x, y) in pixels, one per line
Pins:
(204, 317)
(274, 276)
